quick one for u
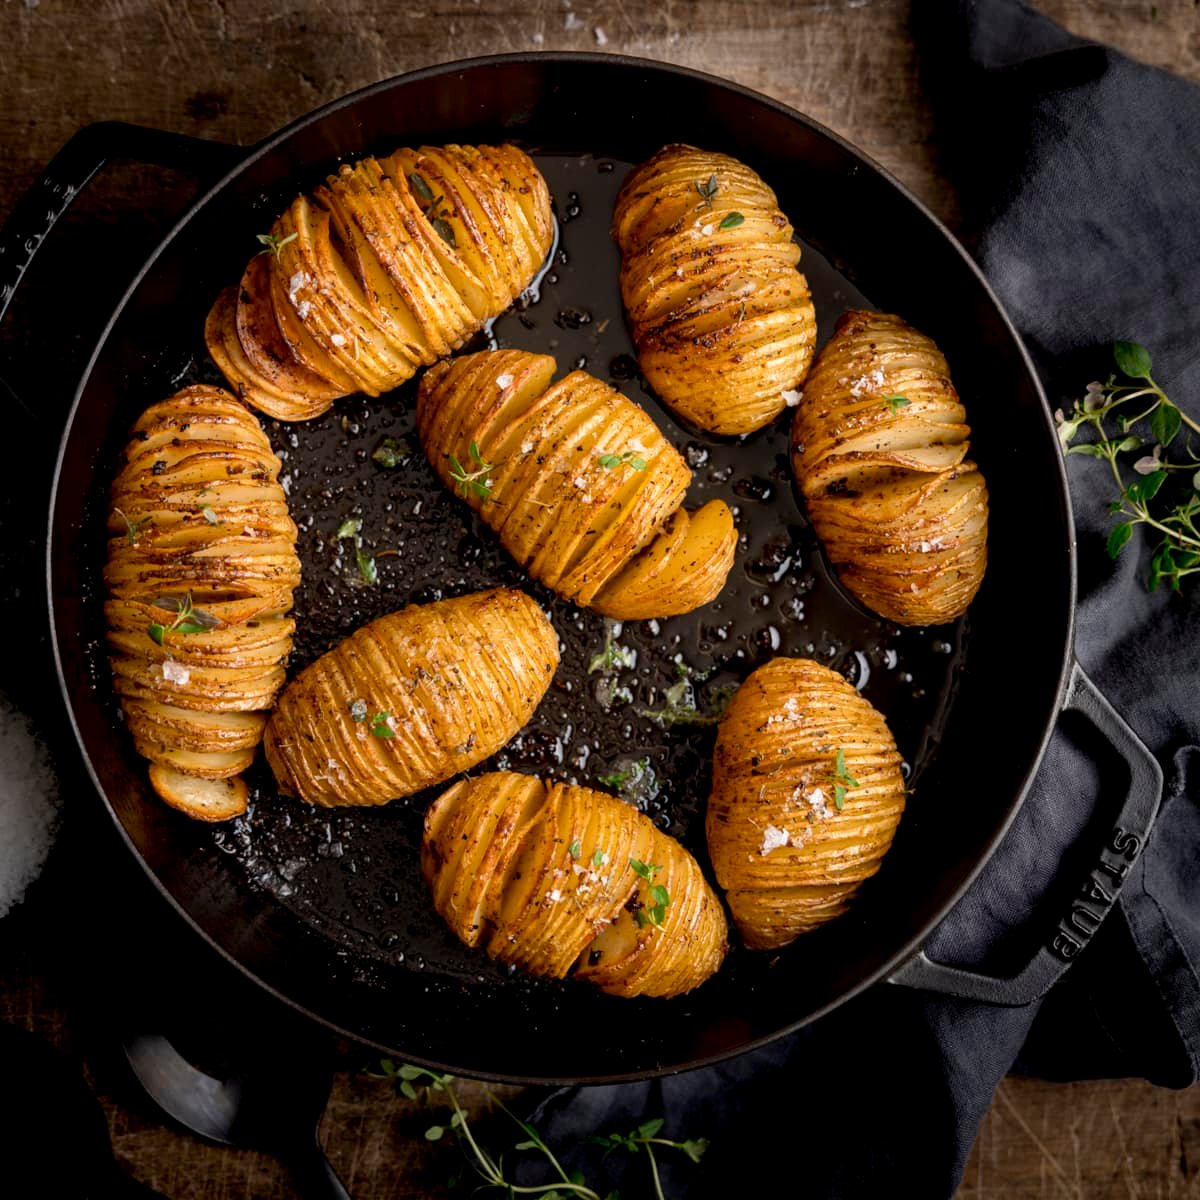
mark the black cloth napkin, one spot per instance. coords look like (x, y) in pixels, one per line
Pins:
(1080, 184)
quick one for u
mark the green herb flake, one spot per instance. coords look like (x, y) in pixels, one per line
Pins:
(423, 190)
(188, 618)
(390, 454)
(366, 566)
(274, 244)
(381, 725)
(895, 403)
(211, 517)
(133, 529)
(732, 221)
(843, 781)
(445, 231)
(351, 527)
(574, 848)
(628, 459)
(707, 191)
(645, 870)
(474, 482)
(599, 858)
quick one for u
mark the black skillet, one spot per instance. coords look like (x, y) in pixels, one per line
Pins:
(326, 910)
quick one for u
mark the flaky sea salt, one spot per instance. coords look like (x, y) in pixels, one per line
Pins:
(792, 397)
(773, 838)
(28, 805)
(503, 381)
(175, 672)
(338, 339)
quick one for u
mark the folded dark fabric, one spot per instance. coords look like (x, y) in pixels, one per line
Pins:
(1080, 184)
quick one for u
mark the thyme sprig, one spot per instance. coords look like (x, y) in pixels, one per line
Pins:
(418, 1083)
(707, 191)
(133, 529)
(475, 482)
(1111, 410)
(843, 781)
(274, 244)
(188, 618)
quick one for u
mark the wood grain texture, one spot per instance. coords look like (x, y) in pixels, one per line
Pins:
(238, 69)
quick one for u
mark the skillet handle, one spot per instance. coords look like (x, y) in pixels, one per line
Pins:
(70, 170)
(1099, 889)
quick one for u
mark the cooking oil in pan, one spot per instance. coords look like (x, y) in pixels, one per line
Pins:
(638, 718)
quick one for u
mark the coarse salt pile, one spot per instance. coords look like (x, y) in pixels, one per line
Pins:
(29, 805)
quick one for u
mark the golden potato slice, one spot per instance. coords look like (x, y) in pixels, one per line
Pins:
(563, 880)
(806, 796)
(390, 265)
(200, 573)
(879, 447)
(202, 799)
(722, 318)
(410, 699)
(578, 483)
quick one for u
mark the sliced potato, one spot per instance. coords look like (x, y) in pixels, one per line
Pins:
(392, 264)
(412, 698)
(806, 796)
(723, 319)
(562, 880)
(879, 447)
(577, 481)
(200, 573)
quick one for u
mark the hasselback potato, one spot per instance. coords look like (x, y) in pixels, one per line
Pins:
(392, 264)
(200, 573)
(577, 481)
(565, 880)
(806, 796)
(722, 318)
(879, 447)
(412, 698)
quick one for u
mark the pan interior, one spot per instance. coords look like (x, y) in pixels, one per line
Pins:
(328, 907)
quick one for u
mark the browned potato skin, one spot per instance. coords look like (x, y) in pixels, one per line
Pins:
(458, 677)
(773, 773)
(199, 487)
(363, 287)
(610, 538)
(899, 507)
(497, 854)
(722, 318)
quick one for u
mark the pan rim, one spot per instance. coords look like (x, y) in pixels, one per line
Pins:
(254, 153)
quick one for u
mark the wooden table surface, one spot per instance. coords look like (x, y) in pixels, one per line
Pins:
(236, 70)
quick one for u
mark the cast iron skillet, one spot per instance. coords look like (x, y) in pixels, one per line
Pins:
(327, 910)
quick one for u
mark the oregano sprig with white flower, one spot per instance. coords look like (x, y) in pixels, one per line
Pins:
(1164, 493)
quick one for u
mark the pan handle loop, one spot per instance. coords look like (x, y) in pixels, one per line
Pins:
(69, 171)
(1098, 891)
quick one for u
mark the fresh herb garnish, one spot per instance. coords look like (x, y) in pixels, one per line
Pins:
(390, 454)
(475, 482)
(445, 231)
(358, 710)
(732, 221)
(843, 781)
(207, 513)
(628, 459)
(633, 780)
(1175, 517)
(351, 529)
(275, 244)
(681, 709)
(599, 858)
(707, 191)
(613, 656)
(574, 848)
(381, 725)
(423, 190)
(895, 403)
(439, 1088)
(188, 618)
(133, 529)
(651, 914)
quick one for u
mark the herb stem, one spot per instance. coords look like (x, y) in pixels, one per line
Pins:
(658, 1192)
